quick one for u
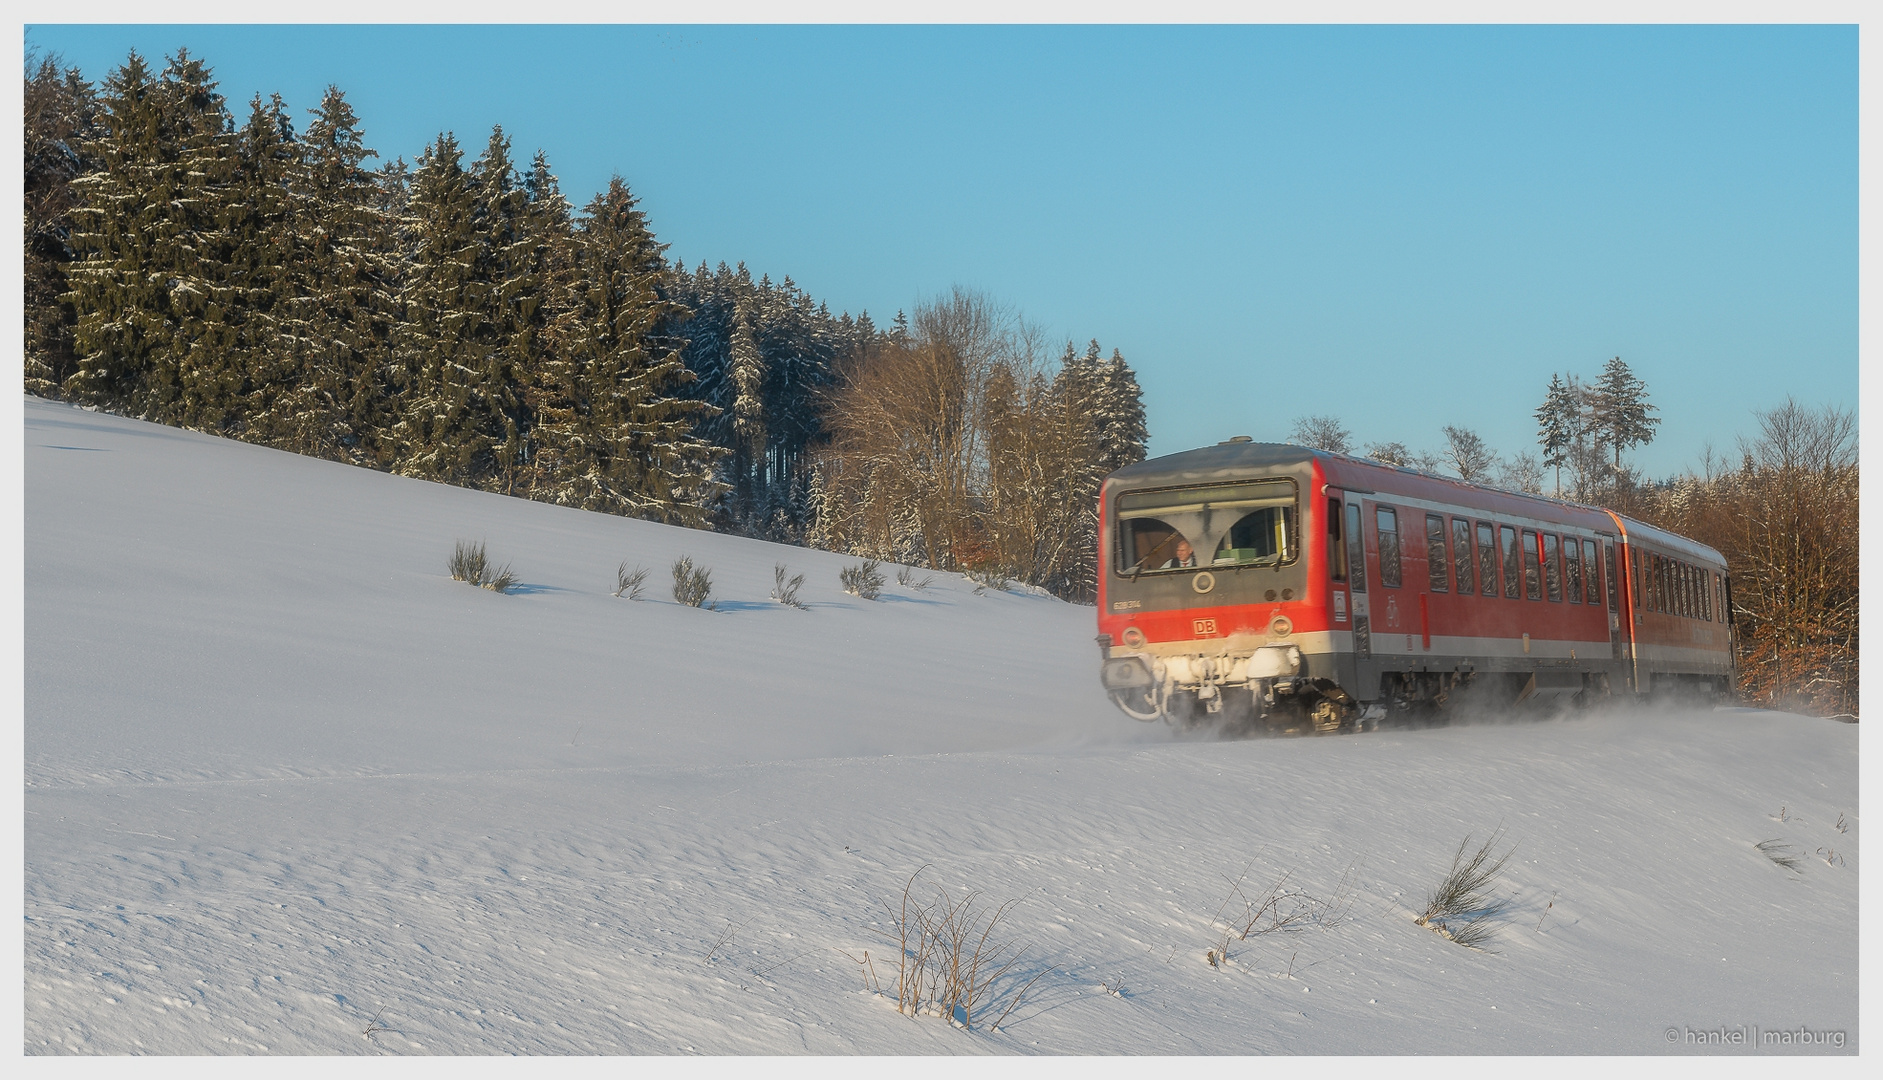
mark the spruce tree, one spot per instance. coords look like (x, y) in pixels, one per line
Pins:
(343, 309)
(1620, 410)
(1559, 425)
(443, 342)
(253, 357)
(614, 436)
(1120, 422)
(144, 235)
(61, 112)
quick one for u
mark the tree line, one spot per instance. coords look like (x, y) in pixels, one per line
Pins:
(457, 319)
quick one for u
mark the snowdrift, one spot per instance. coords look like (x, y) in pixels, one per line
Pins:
(291, 789)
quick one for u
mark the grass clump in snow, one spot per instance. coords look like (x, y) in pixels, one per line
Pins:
(864, 579)
(785, 590)
(988, 577)
(1779, 852)
(954, 962)
(468, 563)
(692, 585)
(905, 575)
(629, 583)
(1282, 908)
(1461, 908)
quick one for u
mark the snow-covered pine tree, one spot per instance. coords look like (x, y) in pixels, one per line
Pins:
(1620, 412)
(1119, 417)
(260, 340)
(747, 370)
(61, 115)
(137, 281)
(343, 308)
(508, 271)
(1559, 425)
(617, 438)
(442, 345)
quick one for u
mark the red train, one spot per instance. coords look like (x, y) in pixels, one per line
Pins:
(1293, 587)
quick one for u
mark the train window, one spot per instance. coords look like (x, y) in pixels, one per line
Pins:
(1461, 553)
(1591, 580)
(1336, 551)
(1638, 576)
(1487, 558)
(1513, 565)
(1572, 569)
(1171, 529)
(1437, 569)
(1706, 594)
(1608, 565)
(1387, 525)
(1356, 554)
(1686, 589)
(1151, 544)
(1552, 568)
(1260, 536)
(1532, 569)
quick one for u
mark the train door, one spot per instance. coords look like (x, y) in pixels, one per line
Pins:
(1618, 562)
(1356, 580)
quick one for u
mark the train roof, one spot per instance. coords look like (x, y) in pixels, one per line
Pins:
(1216, 462)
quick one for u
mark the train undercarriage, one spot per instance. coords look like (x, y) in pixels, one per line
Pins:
(1270, 693)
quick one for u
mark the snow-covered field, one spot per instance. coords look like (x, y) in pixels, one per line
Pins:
(285, 781)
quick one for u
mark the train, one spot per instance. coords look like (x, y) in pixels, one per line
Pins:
(1266, 585)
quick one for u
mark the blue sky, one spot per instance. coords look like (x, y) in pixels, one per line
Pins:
(1407, 227)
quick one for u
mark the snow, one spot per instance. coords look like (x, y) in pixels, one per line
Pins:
(284, 778)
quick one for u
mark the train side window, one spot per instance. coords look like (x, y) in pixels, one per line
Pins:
(1660, 584)
(1686, 591)
(1461, 553)
(1552, 569)
(1636, 575)
(1386, 523)
(1356, 553)
(1650, 581)
(1591, 580)
(1719, 597)
(1572, 569)
(1513, 562)
(1487, 558)
(1437, 569)
(1532, 569)
(1614, 585)
(1336, 551)
(1706, 594)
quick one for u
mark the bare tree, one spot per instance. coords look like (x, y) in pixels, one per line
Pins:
(1321, 433)
(1467, 455)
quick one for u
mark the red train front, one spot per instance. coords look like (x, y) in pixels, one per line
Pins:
(1298, 588)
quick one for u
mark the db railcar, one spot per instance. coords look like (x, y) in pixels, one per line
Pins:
(1267, 584)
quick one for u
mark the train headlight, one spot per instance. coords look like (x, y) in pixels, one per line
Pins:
(1281, 626)
(1133, 637)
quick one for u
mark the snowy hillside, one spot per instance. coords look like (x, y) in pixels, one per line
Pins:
(287, 783)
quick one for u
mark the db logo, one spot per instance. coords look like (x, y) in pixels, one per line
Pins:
(1203, 626)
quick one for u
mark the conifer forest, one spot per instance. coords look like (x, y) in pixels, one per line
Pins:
(458, 319)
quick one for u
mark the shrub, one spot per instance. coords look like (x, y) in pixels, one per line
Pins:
(469, 564)
(629, 582)
(863, 579)
(951, 962)
(1462, 908)
(692, 586)
(784, 590)
(905, 575)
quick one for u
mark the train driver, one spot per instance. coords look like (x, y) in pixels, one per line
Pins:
(1186, 556)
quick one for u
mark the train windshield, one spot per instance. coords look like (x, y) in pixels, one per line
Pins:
(1247, 524)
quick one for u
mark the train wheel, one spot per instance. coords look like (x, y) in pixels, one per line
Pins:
(1137, 704)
